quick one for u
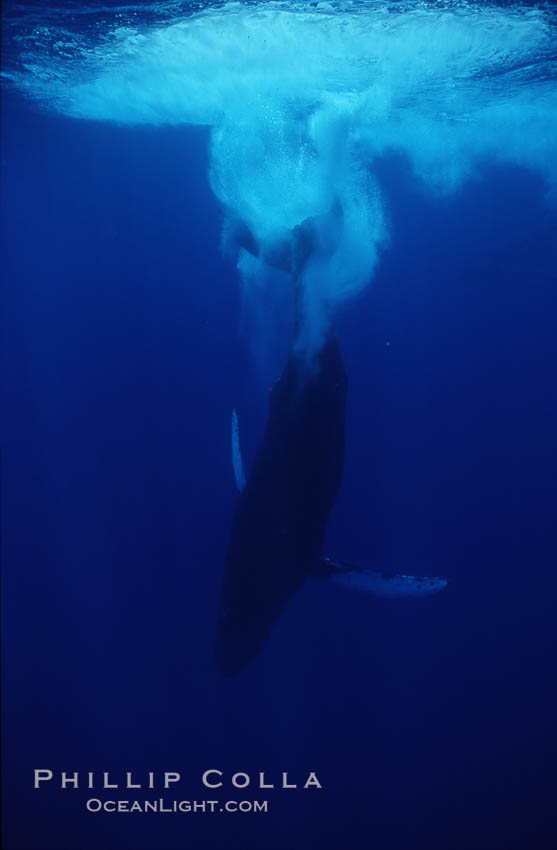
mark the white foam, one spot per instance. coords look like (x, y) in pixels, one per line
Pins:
(302, 101)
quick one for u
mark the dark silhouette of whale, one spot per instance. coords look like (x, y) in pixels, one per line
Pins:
(279, 524)
(281, 518)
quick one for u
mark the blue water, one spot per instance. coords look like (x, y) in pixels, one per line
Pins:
(129, 339)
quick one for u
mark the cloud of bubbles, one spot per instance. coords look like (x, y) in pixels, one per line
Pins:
(303, 99)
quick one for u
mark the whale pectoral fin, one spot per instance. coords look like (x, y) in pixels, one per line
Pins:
(391, 585)
(394, 585)
(237, 463)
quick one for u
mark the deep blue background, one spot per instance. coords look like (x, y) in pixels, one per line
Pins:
(430, 723)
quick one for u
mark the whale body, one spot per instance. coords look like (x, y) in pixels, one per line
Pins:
(281, 517)
(280, 521)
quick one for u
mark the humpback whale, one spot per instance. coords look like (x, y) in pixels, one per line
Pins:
(278, 529)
